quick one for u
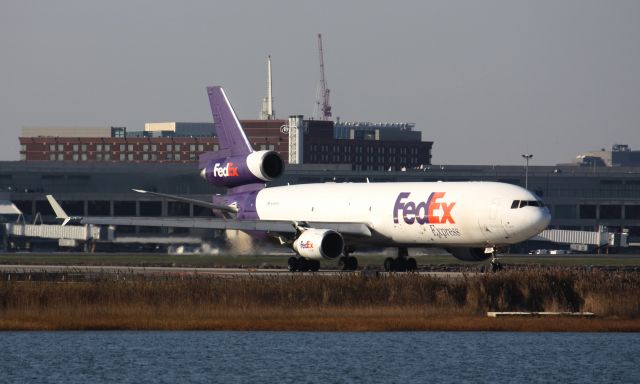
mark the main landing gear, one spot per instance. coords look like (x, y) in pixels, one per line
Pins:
(401, 263)
(301, 264)
(348, 263)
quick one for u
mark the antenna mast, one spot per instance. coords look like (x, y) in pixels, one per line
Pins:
(324, 91)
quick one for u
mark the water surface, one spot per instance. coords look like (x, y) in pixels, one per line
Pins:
(301, 357)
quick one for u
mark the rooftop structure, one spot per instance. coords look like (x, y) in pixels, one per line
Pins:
(620, 155)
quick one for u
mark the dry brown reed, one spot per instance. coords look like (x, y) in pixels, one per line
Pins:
(325, 303)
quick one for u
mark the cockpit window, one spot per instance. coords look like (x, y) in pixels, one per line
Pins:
(526, 203)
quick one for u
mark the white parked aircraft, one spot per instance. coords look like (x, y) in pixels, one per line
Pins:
(329, 220)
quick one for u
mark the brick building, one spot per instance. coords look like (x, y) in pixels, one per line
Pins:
(365, 146)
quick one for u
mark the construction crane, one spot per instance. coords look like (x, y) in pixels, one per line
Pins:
(324, 91)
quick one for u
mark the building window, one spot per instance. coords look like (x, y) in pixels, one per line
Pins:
(130, 148)
(52, 147)
(75, 148)
(83, 147)
(177, 156)
(192, 147)
(611, 211)
(632, 212)
(168, 156)
(121, 147)
(154, 156)
(107, 156)
(193, 156)
(60, 147)
(145, 147)
(154, 147)
(83, 157)
(23, 157)
(23, 147)
(75, 157)
(588, 211)
(99, 156)
(215, 147)
(52, 157)
(177, 147)
(122, 157)
(60, 156)
(145, 156)
(130, 156)
(99, 147)
(565, 211)
(169, 147)
(200, 148)
(107, 147)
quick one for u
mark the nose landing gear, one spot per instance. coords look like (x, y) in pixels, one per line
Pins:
(401, 263)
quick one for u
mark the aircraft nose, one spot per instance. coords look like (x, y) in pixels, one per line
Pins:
(540, 221)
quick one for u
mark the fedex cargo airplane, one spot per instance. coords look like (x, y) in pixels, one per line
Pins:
(331, 220)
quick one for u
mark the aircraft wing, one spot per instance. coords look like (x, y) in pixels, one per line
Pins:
(274, 226)
(183, 199)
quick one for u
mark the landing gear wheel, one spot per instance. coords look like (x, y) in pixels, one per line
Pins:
(292, 264)
(348, 263)
(399, 264)
(342, 263)
(314, 265)
(388, 264)
(303, 264)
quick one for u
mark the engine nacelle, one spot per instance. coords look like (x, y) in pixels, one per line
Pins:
(319, 243)
(469, 254)
(232, 171)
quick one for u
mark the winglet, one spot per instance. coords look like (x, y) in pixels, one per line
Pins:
(60, 213)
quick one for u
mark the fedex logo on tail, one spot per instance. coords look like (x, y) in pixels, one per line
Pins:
(227, 171)
(431, 211)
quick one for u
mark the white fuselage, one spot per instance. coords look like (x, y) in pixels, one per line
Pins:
(457, 214)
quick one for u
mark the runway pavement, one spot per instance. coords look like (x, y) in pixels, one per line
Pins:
(220, 272)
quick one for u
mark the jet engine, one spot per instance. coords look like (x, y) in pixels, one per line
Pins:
(319, 243)
(469, 254)
(232, 171)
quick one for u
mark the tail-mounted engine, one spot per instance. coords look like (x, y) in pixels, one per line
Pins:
(232, 171)
(319, 243)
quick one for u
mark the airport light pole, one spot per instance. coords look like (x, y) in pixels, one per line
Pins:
(526, 156)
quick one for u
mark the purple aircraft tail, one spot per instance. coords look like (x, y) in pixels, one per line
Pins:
(228, 128)
(235, 164)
